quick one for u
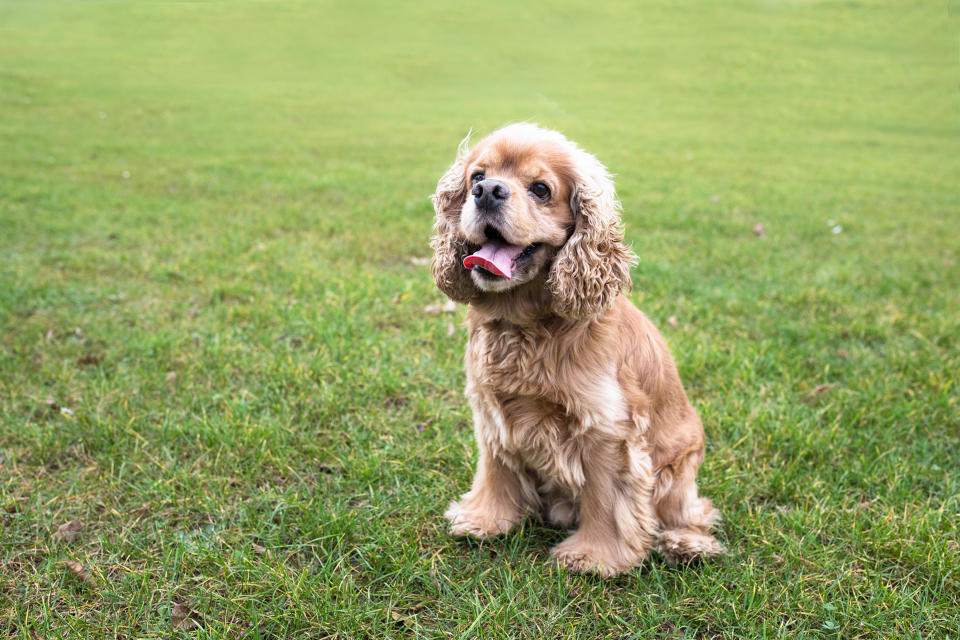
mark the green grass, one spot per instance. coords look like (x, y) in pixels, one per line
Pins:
(220, 364)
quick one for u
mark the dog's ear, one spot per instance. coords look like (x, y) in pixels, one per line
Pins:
(593, 267)
(449, 248)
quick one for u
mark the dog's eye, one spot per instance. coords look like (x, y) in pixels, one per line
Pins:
(477, 177)
(540, 190)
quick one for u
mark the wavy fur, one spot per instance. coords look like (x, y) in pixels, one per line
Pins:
(579, 412)
(449, 247)
(593, 267)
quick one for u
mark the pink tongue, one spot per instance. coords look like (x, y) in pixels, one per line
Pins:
(496, 257)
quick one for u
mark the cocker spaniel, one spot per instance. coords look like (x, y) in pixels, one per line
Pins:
(579, 413)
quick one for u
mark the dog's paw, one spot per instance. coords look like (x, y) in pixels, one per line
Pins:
(685, 545)
(606, 560)
(472, 521)
(561, 513)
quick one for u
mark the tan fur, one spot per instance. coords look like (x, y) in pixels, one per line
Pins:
(579, 413)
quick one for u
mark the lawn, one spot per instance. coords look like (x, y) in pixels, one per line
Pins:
(226, 412)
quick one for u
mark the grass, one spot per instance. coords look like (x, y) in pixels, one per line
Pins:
(214, 353)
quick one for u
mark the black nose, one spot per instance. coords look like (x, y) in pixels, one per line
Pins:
(490, 194)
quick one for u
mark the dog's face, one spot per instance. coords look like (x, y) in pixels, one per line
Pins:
(517, 211)
(526, 201)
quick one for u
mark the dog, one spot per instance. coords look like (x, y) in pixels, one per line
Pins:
(579, 413)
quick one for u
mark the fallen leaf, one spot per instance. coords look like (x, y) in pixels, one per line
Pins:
(50, 335)
(817, 390)
(68, 531)
(88, 360)
(672, 321)
(759, 230)
(171, 376)
(141, 511)
(80, 571)
(435, 309)
(180, 617)
(263, 551)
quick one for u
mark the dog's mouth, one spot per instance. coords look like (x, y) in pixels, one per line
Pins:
(497, 258)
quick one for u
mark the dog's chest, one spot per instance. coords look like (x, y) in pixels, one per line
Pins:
(541, 401)
(519, 362)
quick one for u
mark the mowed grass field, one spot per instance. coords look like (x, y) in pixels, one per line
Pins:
(216, 367)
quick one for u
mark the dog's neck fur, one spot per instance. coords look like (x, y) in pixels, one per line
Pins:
(528, 305)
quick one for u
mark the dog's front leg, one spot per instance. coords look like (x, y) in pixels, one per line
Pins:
(497, 500)
(617, 521)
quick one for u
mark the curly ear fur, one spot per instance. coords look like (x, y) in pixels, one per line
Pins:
(593, 267)
(449, 249)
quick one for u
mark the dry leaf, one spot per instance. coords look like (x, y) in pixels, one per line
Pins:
(171, 376)
(68, 531)
(180, 617)
(759, 230)
(50, 335)
(88, 360)
(140, 512)
(435, 309)
(263, 551)
(817, 390)
(80, 571)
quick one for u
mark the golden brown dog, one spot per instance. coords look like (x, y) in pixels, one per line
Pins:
(579, 412)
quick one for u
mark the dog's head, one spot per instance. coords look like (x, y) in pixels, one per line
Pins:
(526, 202)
